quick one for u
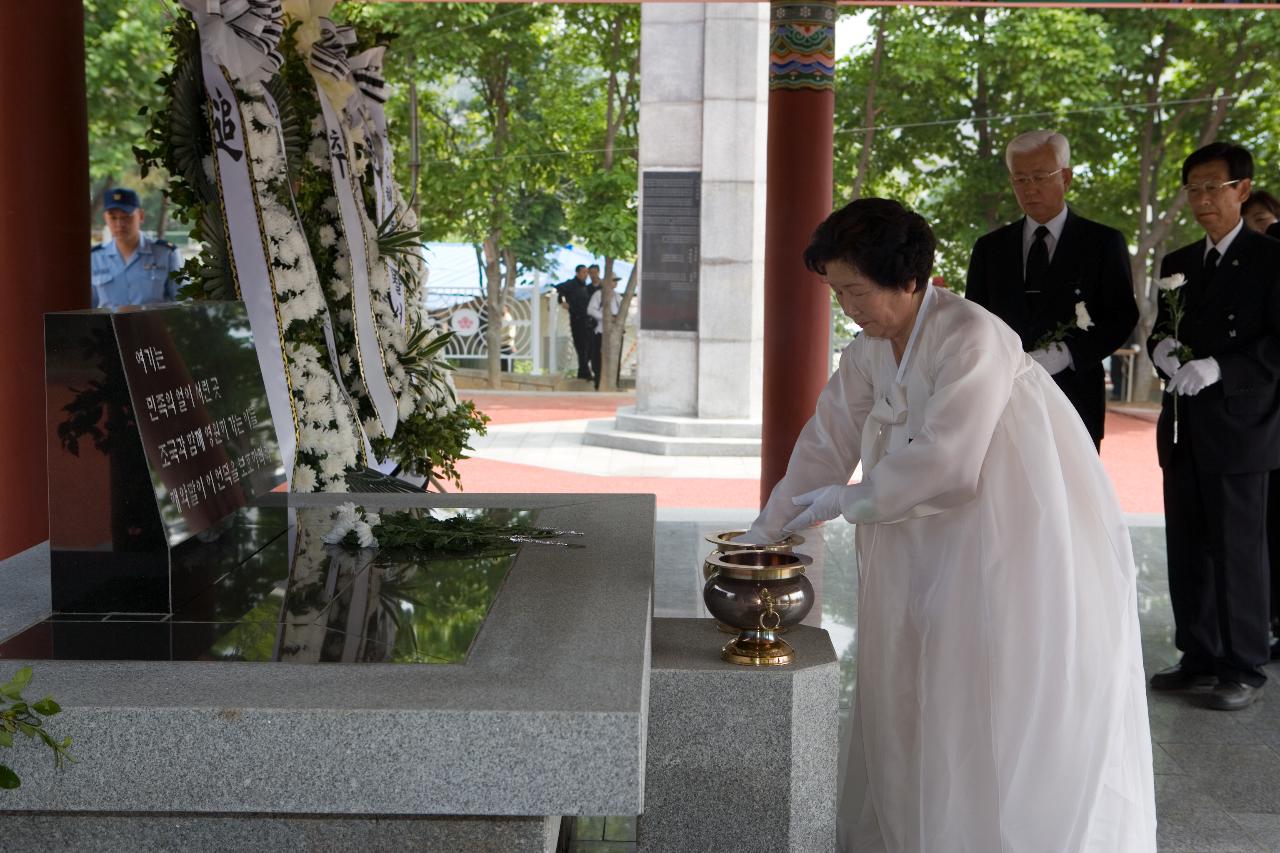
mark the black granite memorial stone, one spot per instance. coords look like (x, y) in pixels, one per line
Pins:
(162, 455)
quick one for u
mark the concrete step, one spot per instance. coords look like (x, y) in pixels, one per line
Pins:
(604, 433)
(672, 425)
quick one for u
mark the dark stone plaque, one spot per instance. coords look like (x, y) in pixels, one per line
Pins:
(161, 450)
(670, 249)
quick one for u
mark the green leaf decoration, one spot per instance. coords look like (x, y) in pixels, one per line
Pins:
(46, 707)
(8, 779)
(6, 738)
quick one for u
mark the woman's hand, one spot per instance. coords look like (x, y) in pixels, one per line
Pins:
(820, 505)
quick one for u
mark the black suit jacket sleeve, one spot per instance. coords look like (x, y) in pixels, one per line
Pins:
(1114, 310)
(1163, 326)
(975, 283)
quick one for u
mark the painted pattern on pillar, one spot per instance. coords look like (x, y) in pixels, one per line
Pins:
(802, 46)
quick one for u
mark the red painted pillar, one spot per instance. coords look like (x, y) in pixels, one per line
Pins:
(44, 246)
(797, 318)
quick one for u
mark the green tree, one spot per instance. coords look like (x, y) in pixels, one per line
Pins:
(1134, 92)
(486, 75)
(125, 51)
(602, 207)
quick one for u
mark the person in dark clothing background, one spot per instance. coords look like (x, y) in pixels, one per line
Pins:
(575, 293)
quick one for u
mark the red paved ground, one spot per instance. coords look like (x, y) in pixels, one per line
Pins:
(533, 408)
(1128, 452)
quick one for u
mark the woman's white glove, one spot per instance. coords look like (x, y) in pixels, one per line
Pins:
(820, 505)
(758, 535)
(1162, 356)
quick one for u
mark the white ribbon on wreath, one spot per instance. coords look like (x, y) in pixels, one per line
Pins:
(328, 63)
(369, 98)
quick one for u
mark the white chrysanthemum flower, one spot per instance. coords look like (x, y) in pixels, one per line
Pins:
(332, 467)
(373, 519)
(1171, 282)
(330, 206)
(328, 236)
(365, 534)
(304, 478)
(342, 525)
(344, 364)
(406, 406)
(342, 267)
(315, 390)
(373, 428)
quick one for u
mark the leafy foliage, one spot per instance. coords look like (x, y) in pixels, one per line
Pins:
(17, 716)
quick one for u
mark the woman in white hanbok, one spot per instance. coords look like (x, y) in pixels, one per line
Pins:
(1000, 703)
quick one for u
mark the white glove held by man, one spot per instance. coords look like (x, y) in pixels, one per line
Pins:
(1195, 376)
(1163, 356)
(1054, 358)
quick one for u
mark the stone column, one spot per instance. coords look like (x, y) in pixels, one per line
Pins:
(797, 351)
(44, 211)
(702, 145)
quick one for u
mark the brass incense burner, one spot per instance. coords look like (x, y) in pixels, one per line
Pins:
(724, 544)
(758, 593)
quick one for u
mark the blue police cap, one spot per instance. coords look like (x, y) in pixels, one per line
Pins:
(120, 198)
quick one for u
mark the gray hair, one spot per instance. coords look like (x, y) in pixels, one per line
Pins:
(1034, 140)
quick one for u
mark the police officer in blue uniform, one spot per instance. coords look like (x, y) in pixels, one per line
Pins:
(130, 268)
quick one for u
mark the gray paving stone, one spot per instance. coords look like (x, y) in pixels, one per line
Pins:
(1264, 829)
(1188, 820)
(1240, 777)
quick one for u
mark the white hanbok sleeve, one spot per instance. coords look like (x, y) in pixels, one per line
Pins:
(827, 450)
(940, 467)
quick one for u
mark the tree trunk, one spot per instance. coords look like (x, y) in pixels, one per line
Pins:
(869, 113)
(982, 112)
(614, 328)
(493, 309)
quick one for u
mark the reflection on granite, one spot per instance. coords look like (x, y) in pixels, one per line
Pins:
(334, 605)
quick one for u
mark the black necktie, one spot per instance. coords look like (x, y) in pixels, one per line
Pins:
(1211, 263)
(1037, 265)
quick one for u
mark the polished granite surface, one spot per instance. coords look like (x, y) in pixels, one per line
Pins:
(337, 605)
(1217, 773)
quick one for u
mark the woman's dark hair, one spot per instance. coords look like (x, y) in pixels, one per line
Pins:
(886, 242)
(1263, 199)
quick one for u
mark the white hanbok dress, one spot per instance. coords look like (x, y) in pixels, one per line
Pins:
(1000, 703)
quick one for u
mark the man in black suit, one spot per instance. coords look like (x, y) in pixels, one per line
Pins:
(1036, 272)
(576, 293)
(1219, 433)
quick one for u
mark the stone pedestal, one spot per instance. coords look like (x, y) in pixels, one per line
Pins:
(703, 104)
(201, 833)
(739, 758)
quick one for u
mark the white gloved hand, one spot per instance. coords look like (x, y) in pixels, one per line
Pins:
(820, 505)
(1195, 376)
(759, 535)
(1054, 358)
(1163, 356)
